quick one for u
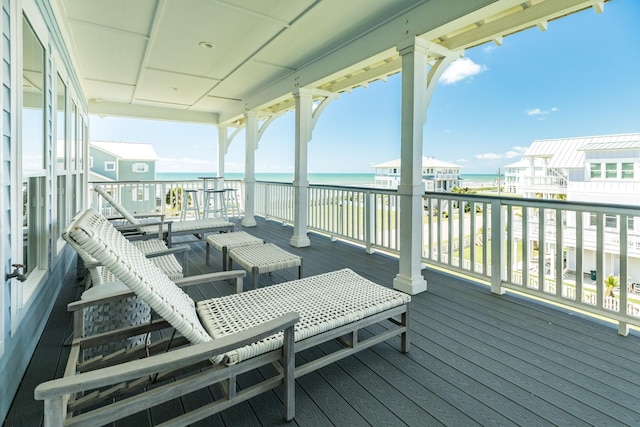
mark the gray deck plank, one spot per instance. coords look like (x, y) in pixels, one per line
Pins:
(475, 359)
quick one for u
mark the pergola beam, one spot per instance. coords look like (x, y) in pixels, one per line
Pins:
(514, 22)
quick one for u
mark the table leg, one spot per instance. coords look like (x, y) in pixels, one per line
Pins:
(254, 272)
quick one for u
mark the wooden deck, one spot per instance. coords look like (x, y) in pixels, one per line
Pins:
(475, 359)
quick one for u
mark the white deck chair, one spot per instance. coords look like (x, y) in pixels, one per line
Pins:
(129, 311)
(197, 227)
(334, 305)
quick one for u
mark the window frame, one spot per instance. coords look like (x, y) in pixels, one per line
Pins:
(23, 293)
(628, 173)
(611, 170)
(135, 167)
(107, 165)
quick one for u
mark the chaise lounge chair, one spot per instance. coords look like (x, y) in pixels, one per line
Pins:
(197, 227)
(228, 335)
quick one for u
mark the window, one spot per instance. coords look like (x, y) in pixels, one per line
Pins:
(627, 171)
(90, 161)
(33, 150)
(596, 170)
(611, 170)
(140, 167)
(109, 166)
(610, 221)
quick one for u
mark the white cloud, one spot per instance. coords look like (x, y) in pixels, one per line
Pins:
(489, 48)
(539, 112)
(460, 70)
(462, 161)
(515, 151)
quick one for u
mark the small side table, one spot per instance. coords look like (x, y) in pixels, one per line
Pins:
(264, 259)
(225, 241)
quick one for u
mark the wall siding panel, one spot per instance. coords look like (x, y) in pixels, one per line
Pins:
(19, 347)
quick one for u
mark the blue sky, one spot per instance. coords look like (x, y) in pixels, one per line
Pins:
(580, 77)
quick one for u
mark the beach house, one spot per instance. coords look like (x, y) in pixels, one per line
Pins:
(437, 175)
(602, 168)
(125, 161)
(238, 66)
(122, 161)
(515, 175)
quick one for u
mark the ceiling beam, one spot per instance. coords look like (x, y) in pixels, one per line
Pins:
(157, 17)
(514, 22)
(117, 109)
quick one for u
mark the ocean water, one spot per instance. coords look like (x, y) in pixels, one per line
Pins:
(351, 179)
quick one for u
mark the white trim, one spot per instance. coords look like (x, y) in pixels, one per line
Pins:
(3, 230)
(22, 292)
(140, 167)
(109, 163)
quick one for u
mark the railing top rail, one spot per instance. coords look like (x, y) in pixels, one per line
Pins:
(573, 205)
(540, 203)
(160, 181)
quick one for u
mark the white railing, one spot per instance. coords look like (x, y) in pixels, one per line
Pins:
(546, 181)
(559, 251)
(546, 248)
(360, 215)
(165, 197)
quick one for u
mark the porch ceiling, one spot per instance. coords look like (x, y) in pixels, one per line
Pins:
(145, 58)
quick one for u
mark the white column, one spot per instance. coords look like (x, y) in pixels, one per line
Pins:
(223, 144)
(411, 189)
(300, 182)
(251, 145)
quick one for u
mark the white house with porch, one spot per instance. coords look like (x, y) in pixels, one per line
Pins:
(437, 175)
(603, 169)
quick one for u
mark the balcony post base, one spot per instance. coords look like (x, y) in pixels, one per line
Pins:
(410, 285)
(300, 241)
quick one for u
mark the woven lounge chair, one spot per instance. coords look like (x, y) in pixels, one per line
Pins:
(331, 306)
(129, 311)
(169, 229)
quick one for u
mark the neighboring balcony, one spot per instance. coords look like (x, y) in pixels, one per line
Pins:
(544, 185)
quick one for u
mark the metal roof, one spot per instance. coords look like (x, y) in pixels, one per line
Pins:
(127, 150)
(569, 153)
(562, 153)
(522, 163)
(629, 141)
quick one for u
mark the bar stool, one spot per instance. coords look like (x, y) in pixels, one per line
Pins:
(232, 202)
(195, 206)
(217, 199)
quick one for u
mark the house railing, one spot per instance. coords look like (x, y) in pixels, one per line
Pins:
(562, 252)
(546, 181)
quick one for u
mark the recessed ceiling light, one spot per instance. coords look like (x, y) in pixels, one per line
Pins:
(206, 45)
